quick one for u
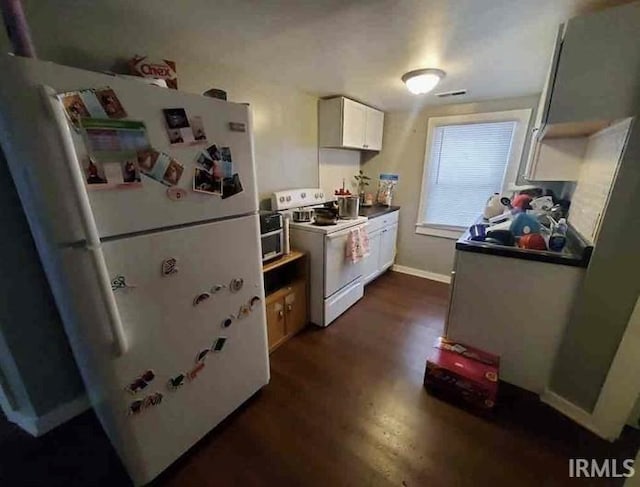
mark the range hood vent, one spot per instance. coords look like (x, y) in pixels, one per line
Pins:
(446, 94)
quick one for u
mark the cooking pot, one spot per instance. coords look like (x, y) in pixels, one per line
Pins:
(348, 207)
(325, 216)
(302, 215)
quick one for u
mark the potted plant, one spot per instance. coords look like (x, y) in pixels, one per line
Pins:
(362, 181)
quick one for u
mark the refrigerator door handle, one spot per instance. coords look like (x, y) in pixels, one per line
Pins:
(86, 216)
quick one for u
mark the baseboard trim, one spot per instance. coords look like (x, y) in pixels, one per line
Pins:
(39, 425)
(573, 412)
(412, 271)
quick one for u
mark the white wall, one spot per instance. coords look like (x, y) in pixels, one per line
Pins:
(337, 165)
(405, 135)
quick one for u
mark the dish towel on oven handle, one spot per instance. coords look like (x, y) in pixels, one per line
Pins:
(357, 244)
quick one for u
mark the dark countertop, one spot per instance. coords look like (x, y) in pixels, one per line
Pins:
(376, 210)
(577, 251)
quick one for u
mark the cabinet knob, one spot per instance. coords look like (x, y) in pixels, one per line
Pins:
(289, 308)
(280, 314)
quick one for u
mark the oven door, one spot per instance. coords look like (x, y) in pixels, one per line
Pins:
(339, 270)
(271, 244)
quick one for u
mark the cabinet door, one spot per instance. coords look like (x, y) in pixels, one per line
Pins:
(354, 119)
(388, 246)
(295, 304)
(330, 122)
(545, 96)
(556, 159)
(371, 269)
(373, 129)
(276, 330)
(597, 75)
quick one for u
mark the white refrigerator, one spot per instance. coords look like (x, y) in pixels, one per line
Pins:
(161, 296)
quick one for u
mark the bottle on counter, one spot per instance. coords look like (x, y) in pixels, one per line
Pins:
(286, 235)
(558, 237)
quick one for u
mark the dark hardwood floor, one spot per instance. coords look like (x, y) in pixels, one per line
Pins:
(345, 407)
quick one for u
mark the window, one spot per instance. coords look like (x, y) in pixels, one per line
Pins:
(467, 159)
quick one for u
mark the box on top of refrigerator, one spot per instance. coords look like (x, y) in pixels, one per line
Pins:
(155, 69)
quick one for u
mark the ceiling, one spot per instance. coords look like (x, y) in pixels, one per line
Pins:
(360, 48)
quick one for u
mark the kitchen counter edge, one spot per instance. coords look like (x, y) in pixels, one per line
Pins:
(574, 241)
(372, 212)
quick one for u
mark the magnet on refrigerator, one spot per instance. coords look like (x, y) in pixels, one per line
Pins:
(218, 345)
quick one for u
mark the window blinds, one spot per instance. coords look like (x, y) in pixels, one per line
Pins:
(467, 164)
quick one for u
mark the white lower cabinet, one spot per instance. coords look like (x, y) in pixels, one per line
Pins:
(371, 266)
(388, 246)
(504, 316)
(383, 232)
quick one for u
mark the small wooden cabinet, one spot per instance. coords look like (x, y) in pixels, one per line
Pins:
(276, 331)
(287, 304)
(344, 123)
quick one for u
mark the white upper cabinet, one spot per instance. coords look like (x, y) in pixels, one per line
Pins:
(596, 77)
(593, 79)
(354, 124)
(344, 123)
(592, 83)
(555, 159)
(373, 129)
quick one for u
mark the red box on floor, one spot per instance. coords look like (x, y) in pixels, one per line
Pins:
(464, 372)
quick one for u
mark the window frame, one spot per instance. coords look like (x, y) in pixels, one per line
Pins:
(522, 117)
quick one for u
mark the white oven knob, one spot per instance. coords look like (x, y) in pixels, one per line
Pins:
(321, 195)
(317, 195)
(288, 198)
(281, 199)
(303, 195)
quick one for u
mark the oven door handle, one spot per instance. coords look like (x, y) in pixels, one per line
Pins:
(269, 234)
(342, 233)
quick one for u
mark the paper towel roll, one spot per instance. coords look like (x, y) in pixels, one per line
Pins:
(285, 234)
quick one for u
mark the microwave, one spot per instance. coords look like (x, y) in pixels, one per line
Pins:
(271, 235)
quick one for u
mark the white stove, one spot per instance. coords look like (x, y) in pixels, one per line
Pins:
(296, 198)
(335, 282)
(287, 201)
(327, 229)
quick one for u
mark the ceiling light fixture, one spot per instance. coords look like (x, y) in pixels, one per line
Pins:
(422, 81)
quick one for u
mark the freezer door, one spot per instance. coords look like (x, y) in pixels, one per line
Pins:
(32, 143)
(173, 311)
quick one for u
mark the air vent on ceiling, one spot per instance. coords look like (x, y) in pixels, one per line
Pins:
(446, 94)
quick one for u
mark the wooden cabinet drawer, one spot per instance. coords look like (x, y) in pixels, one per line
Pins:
(287, 313)
(276, 325)
(295, 304)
